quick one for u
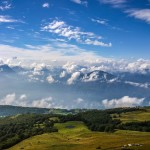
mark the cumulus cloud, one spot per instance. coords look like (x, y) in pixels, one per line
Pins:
(63, 74)
(125, 101)
(45, 5)
(43, 103)
(92, 77)
(50, 79)
(82, 61)
(8, 99)
(16, 100)
(74, 33)
(142, 14)
(73, 78)
(23, 97)
(70, 67)
(13, 99)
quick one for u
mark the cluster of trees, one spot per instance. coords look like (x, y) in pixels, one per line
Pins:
(101, 120)
(17, 128)
(136, 126)
(123, 110)
(96, 120)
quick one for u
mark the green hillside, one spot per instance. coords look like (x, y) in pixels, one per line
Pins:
(114, 129)
(75, 136)
(141, 115)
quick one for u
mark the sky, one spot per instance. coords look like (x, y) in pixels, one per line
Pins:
(75, 29)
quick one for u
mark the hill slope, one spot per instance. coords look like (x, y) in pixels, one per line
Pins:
(76, 136)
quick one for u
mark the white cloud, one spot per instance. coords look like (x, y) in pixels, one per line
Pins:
(5, 5)
(92, 77)
(45, 5)
(70, 67)
(13, 99)
(100, 21)
(56, 51)
(114, 3)
(79, 100)
(16, 100)
(81, 2)
(125, 101)
(73, 78)
(97, 43)
(50, 79)
(7, 19)
(44, 55)
(8, 99)
(23, 97)
(63, 74)
(142, 14)
(74, 33)
(42, 103)
(141, 85)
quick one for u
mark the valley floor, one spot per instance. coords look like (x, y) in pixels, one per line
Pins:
(74, 135)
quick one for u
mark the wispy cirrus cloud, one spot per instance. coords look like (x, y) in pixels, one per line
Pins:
(142, 14)
(8, 19)
(62, 29)
(58, 51)
(100, 21)
(114, 3)
(81, 2)
(5, 5)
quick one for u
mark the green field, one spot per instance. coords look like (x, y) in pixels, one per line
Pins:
(74, 135)
(135, 116)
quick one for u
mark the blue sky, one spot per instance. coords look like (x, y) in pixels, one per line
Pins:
(107, 28)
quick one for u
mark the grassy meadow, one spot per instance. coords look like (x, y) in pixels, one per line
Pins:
(135, 116)
(74, 135)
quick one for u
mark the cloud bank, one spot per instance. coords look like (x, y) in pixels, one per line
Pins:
(125, 101)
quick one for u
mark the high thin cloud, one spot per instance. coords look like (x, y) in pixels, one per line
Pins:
(74, 33)
(5, 5)
(52, 52)
(125, 101)
(142, 14)
(114, 3)
(7, 19)
(141, 85)
(81, 2)
(100, 21)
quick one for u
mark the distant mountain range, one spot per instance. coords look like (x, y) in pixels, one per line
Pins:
(80, 88)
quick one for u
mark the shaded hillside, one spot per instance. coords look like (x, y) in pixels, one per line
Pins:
(7, 110)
